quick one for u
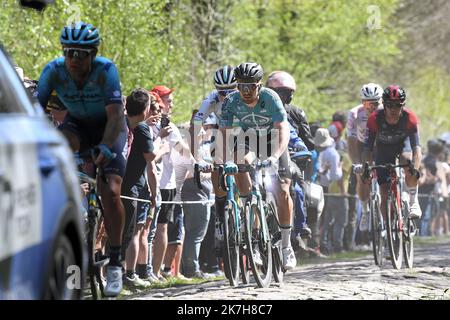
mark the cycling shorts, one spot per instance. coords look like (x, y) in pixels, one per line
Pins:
(283, 162)
(90, 135)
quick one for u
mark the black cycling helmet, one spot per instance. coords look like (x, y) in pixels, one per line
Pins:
(394, 94)
(248, 72)
(435, 146)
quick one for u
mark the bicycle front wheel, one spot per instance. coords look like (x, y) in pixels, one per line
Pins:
(376, 231)
(259, 247)
(244, 263)
(394, 232)
(275, 235)
(231, 245)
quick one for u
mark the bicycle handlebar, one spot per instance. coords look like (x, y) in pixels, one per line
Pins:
(389, 166)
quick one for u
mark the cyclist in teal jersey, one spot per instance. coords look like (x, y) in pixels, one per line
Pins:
(262, 116)
(89, 87)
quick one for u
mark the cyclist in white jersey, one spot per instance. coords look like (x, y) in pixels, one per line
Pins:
(357, 131)
(225, 83)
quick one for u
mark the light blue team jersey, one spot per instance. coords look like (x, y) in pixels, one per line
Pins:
(87, 104)
(268, 110)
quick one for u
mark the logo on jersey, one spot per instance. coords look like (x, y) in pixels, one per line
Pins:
(117, 93)
(254, 120)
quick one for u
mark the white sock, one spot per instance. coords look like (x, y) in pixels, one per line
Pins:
(413, 191)
(285, 236)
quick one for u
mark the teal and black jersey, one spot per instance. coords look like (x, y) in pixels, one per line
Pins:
(86, 104)
(268, 110)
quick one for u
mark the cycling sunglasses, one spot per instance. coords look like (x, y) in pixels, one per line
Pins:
(373, 103)
(391, 105)
(247, 86)
(77, 53)
(224, 93)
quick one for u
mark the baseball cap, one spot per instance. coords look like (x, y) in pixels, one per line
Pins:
(162, 90)
(157, 98)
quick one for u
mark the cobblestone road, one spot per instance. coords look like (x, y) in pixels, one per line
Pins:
(358, 279)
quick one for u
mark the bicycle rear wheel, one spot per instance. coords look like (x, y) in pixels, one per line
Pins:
(394, 232)
(409, 231)
(376, 231)
(231, 244)
(275, 235)
(258, 243)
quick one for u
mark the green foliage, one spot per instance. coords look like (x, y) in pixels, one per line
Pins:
(325, 44)
(429, 98)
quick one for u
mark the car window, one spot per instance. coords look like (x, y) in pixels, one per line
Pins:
(11, 90)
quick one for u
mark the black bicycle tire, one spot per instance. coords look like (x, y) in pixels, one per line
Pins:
(244, 265)
(273, 223)
(377, 239)
(408, 240)
(231, 268)
(396, 261)
(262, 279)
(91, 237)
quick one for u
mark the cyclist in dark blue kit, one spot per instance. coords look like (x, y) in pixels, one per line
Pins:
(89, 87)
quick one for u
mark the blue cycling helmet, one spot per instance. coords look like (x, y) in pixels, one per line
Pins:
(80, 33)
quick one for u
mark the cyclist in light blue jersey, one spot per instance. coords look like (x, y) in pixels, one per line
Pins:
(262, 116)
(89, 87)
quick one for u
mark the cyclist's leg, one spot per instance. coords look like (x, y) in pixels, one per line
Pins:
(285, 209)
(382, 178)
(73, 131)
(412, 183)
(110, 193)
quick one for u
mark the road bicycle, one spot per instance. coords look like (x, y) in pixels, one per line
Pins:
(233, 248)
(400, 228)
(377, 227)
(95, 229)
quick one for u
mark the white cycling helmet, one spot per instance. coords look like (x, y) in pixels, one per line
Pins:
(371, 91)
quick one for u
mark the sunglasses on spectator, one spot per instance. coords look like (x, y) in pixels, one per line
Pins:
(396, 105)
(77, 53)
(247, 86)
(224, 93)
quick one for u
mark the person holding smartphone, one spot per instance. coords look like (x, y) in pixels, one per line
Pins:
(169, 230)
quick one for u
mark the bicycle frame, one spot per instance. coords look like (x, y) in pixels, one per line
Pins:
(395, 187)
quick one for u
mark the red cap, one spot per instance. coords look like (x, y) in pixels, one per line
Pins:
(162, 90)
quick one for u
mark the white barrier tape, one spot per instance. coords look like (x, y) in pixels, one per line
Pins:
(420, 195)
(169, 202)
(212, 201)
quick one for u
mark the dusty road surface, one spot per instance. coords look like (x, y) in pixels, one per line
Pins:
(358, 279)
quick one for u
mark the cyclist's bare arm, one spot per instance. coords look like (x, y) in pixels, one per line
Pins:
(283, 138)
(417, 157)
(354, 149)
(115, 117)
